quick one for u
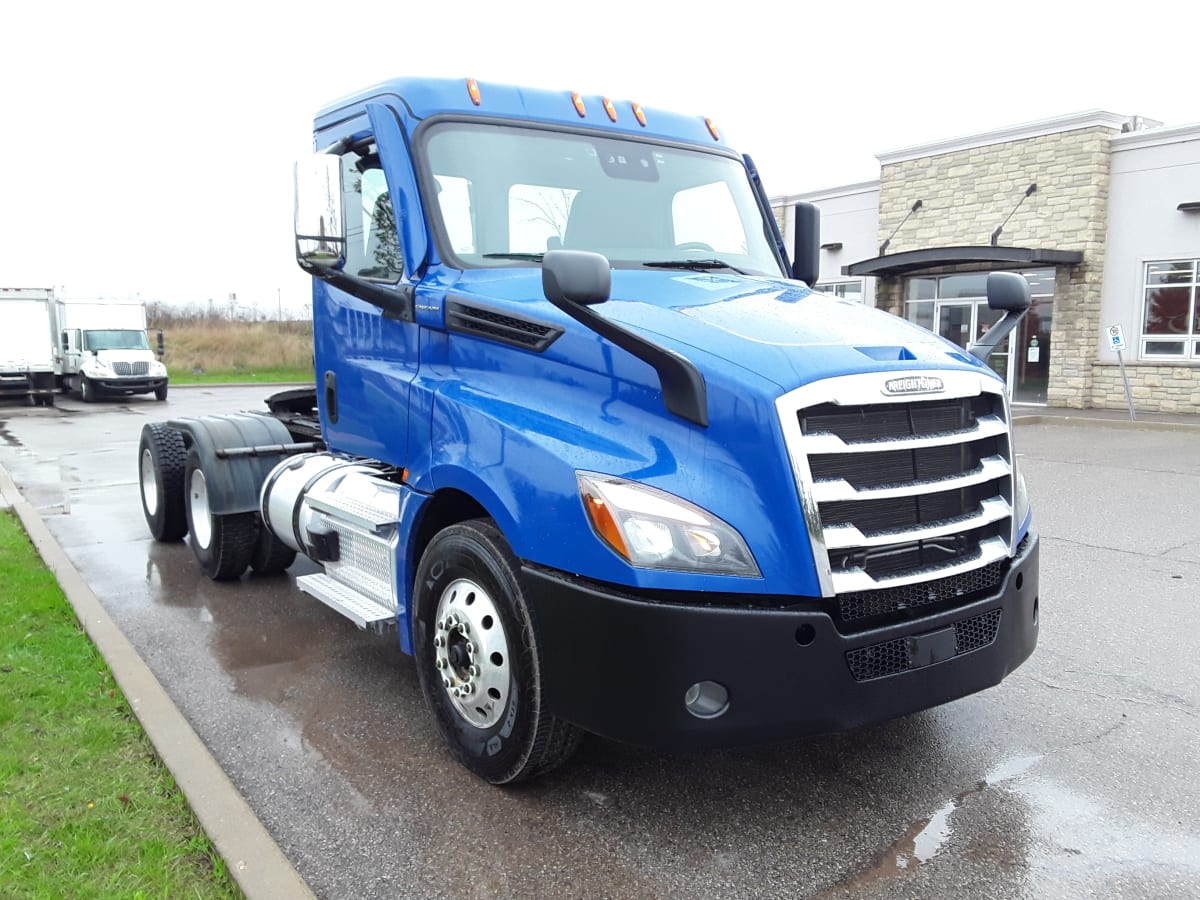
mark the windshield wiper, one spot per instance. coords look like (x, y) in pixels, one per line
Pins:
(699, 265)
(531, 257)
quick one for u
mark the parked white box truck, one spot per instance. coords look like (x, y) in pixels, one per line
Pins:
(105, 349)
(27, 344)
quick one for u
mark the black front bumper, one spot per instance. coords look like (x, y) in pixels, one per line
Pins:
(619, 666)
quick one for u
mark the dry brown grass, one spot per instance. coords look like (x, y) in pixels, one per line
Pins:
(215, 345)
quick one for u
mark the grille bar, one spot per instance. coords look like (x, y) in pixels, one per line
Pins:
(830, 491)
(986, 426)
(840, 537)
(857, 579)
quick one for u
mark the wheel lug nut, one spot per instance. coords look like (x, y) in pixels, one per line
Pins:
(441, 663)
(446, 683)
(474, 670)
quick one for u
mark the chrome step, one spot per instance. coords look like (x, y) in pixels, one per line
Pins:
(355, 512)
(358, 608)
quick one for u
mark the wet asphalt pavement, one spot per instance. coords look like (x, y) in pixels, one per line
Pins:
(1079, 776)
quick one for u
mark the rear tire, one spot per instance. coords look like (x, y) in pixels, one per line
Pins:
(271, 555)
(162, 459)
(222, 544)
(477, 658)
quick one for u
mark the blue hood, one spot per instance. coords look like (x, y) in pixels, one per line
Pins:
(779, 330)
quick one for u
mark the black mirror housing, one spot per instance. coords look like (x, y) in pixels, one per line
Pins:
(806, 256)
(1007, 291)
(576, 276)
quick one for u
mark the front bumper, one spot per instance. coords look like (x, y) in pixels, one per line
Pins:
(619, 665)
(136, 385)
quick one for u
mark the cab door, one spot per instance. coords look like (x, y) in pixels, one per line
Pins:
(366, 357)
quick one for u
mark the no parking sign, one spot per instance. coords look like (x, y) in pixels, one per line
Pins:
(1116, 340)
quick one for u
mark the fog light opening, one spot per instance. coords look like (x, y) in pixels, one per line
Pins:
(805, 635)
(1035, 610)
(706, 699)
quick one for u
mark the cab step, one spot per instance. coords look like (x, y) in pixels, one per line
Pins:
(360, 609)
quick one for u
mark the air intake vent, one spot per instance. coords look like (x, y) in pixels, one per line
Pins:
(503, 327)
(128, 368)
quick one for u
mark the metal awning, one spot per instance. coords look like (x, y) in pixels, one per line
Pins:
(993, 257)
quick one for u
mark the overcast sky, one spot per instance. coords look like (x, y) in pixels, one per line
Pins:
(147, 148)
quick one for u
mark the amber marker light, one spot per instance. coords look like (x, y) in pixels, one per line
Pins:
(639, 115)
(604, 523)
(578, 101)
(473, 90)
(712, 129)
(610, 109)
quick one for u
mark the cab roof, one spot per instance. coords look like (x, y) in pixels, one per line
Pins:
(425, 97)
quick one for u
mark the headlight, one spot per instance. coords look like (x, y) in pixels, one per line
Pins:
(652, 529)
(100, 366)
(157, 368)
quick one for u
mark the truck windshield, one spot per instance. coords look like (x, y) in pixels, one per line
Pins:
(115, 340)
(506, 195)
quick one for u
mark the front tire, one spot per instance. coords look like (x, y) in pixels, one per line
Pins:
(477, 658)
(162, 460)
(222, 544)
(87, 390)
(160, 392)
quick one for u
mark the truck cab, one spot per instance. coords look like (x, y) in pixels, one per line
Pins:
(591, 442)
(105, 350)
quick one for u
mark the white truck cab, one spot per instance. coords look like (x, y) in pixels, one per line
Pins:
(105, 349)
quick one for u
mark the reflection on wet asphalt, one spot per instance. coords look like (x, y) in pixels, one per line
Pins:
(1075, 778)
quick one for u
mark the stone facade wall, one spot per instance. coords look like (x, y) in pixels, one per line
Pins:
(1155, 388)
(965, 194)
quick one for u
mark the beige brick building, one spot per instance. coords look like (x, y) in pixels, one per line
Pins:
(1100, 212)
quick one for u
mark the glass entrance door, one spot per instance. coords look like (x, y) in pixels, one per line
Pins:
(955, 307)
(965, 322)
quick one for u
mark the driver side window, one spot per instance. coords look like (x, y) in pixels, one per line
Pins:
(372, 246)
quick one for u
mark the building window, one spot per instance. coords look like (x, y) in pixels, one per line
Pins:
(847, 290)
(1171, 309)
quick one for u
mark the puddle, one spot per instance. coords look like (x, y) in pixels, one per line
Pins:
(926, 837)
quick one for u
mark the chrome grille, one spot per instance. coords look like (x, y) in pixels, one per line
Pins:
(904, 490)
(131, 368)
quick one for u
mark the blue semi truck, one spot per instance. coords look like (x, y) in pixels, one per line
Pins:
(586, 437)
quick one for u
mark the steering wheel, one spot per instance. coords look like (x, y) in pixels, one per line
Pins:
(694, 247)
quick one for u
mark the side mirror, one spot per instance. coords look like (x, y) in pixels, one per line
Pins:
(161, 346)
(576, 276)
(1008, 292)
(806, 255)
(320, 228)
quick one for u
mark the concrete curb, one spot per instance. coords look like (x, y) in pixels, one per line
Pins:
(253, 858)
(1094, 422)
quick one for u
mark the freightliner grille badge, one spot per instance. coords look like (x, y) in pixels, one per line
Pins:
(917, 384)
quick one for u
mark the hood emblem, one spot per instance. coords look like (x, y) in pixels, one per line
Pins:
(915, 384)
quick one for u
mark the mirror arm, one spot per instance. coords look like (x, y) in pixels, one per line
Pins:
(683, 389)
(396, 303)
(986, 345)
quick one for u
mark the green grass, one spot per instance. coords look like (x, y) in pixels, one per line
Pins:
(242, 376)
(86, 808)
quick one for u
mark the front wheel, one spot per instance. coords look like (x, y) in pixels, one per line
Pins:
(477, 658)
(160, 392)
(87, 390)
(222, 544)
